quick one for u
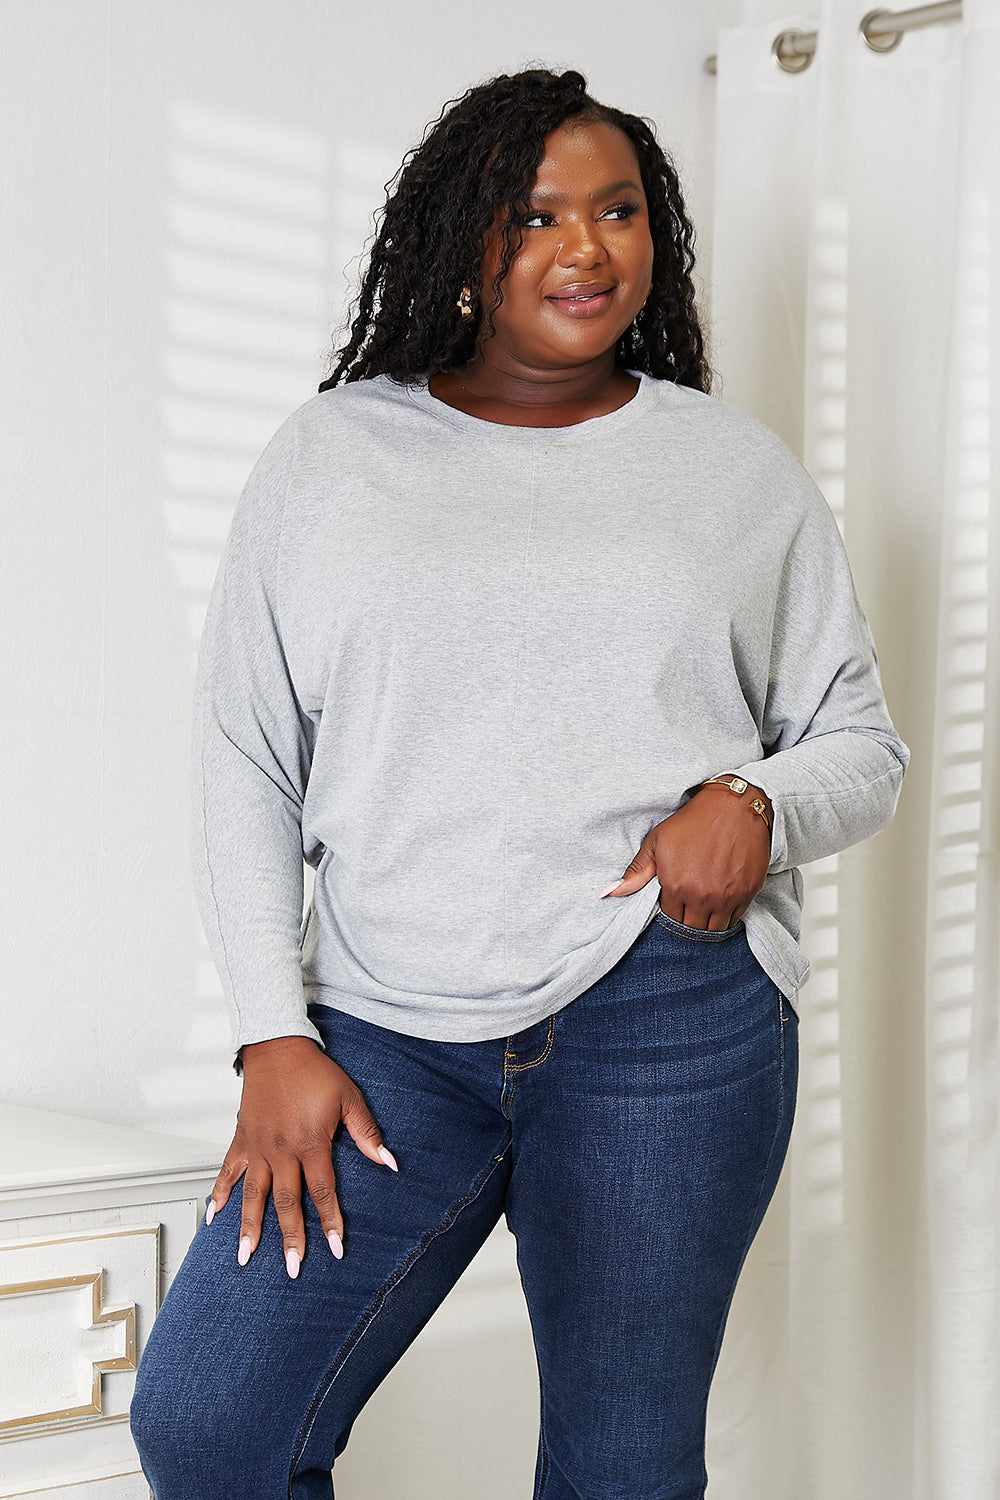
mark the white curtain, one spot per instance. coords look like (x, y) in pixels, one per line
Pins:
(856, 252)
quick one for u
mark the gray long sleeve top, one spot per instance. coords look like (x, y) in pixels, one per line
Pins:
(463, 668)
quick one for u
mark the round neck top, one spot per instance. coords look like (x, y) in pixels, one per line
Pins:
(461, 669)
(586, 431)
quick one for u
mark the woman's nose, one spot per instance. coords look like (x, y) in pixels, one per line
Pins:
(581, 245)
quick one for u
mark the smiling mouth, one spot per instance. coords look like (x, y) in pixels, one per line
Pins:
(583, 302)
(581, 295)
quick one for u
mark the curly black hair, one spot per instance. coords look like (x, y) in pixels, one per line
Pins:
(482, 153)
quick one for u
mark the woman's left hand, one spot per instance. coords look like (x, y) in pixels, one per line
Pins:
(710, 857)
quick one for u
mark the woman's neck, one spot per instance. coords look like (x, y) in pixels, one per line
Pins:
(518, 397)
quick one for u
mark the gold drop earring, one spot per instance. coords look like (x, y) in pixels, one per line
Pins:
(464, 303)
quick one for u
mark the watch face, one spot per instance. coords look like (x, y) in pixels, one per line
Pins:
(738, 784)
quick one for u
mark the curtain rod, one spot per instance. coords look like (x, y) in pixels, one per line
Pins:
(881, 29)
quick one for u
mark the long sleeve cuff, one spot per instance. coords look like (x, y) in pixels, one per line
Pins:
(829, 792)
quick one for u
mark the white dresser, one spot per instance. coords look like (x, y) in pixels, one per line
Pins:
(94, 1222)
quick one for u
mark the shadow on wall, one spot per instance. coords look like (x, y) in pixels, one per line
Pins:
(819, 1150)
(245, 250)
(963, 953)
(260, 224)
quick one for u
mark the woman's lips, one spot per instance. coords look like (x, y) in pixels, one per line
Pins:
(583, 301)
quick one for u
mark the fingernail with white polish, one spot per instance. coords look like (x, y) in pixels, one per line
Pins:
(388, 1158)
(243, 1254)
(292, 1263)
(336, 1244)
(612, 887)
(210, 1212)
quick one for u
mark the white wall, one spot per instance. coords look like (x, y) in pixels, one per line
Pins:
(185, 184)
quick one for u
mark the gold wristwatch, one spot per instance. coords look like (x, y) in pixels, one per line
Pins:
(739, 786)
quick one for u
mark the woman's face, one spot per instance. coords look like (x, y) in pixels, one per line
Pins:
(585, 264)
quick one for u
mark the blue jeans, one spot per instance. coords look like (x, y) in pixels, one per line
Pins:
(633, 1141)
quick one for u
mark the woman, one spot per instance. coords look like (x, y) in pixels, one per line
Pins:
(511, 603)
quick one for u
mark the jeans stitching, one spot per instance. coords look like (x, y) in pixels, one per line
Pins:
(520, 1067)
(360, 1328)
(507, 1088)
(693, 934)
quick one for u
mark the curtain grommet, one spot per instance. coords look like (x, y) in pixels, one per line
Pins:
(793, 50)
(882, 41)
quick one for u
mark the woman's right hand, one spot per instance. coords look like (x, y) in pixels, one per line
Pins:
(294, 1098)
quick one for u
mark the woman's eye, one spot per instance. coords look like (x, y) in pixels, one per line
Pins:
(540, 219)
(624, 210)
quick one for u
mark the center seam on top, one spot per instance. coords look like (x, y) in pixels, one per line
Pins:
(522, 624)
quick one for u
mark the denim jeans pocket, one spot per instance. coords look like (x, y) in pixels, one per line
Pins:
(696, 934)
